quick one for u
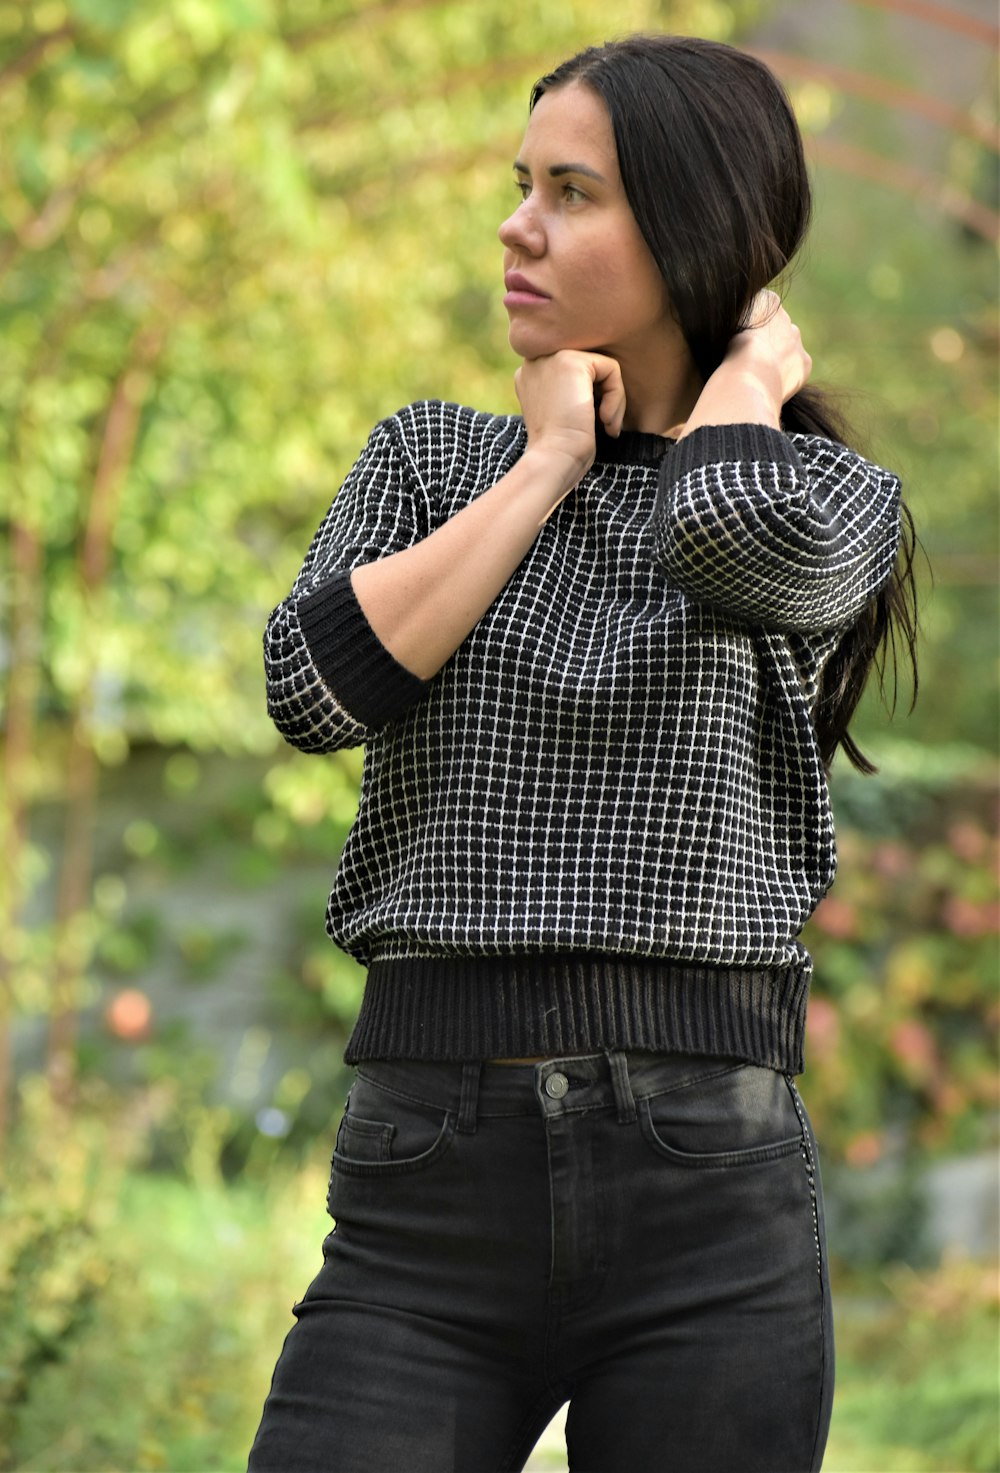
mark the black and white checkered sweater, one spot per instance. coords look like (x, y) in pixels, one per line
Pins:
(605, 821)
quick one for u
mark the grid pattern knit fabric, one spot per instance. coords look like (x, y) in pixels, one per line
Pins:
(605, 820)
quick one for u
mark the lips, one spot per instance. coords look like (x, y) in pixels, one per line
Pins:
(520, 291)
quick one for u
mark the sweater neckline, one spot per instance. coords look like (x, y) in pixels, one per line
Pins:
(632, 447)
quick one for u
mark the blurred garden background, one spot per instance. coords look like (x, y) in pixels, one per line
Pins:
(233, 235)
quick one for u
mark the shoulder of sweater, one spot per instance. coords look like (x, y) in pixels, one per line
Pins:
(827, 466)
(437, 425)
(453, 446)
(819, 452)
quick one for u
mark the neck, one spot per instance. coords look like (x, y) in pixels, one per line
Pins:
(661, 388)
(662, 406)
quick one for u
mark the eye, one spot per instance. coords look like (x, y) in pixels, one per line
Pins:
(573, 194)
(523, 187)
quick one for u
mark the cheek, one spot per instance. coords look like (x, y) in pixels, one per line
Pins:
(644, 292)
(625, 272)
(626, 289)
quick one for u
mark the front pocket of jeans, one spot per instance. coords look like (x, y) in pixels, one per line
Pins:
(382, 1134)
(738, 1116)
(365, 1140)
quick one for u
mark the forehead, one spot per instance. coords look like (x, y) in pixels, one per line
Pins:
(570, 125)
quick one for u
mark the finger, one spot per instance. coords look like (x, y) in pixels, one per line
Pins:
(608, 379)
(611, 410)
(765, 305)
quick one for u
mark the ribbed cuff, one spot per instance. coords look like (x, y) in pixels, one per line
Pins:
(464, 1008)
(366, 679)
(718, 444)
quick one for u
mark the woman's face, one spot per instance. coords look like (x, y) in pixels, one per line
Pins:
(577, 270)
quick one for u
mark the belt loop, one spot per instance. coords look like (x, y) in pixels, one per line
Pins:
(470, 1097)
(624, 1099)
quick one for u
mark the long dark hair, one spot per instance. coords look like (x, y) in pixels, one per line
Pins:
(713, 168)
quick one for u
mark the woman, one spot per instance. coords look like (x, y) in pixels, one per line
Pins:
(601, 663)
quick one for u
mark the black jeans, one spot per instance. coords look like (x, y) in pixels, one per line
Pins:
(640, 1235)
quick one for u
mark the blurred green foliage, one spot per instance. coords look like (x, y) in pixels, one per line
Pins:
(917, 1373)
(167, 1367)
(54, 1262)
(901, 1027)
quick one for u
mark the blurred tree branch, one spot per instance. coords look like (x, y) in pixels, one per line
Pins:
(946, 16)
(22, 65)
(114, 456)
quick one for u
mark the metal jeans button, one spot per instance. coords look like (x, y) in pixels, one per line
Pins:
(556, 1086)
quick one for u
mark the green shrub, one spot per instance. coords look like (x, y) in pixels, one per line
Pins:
(55, 1217)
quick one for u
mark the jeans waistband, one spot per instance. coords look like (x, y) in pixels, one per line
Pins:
(579, 1082)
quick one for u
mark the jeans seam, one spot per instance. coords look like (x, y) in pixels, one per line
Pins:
(810, 1161)
(687, 1083)
(402, 1095)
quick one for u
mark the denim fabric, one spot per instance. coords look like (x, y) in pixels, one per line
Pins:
(640, 1235)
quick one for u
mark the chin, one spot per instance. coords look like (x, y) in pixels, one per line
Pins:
(530, 343)
(527, 344)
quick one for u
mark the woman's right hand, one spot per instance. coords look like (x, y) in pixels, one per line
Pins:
(556, 395)
(423, 601)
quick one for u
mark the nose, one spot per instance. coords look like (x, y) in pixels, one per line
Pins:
(522, 231)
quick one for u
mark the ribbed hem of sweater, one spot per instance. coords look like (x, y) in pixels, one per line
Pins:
(368, 681)
(464, 1008)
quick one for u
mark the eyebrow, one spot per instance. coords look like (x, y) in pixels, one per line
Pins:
(556, 170)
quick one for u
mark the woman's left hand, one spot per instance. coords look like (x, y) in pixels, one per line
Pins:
(765, 364)
(771, 347)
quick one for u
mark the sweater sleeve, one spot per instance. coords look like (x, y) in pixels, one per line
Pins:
(795, 533)
(331, 683)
